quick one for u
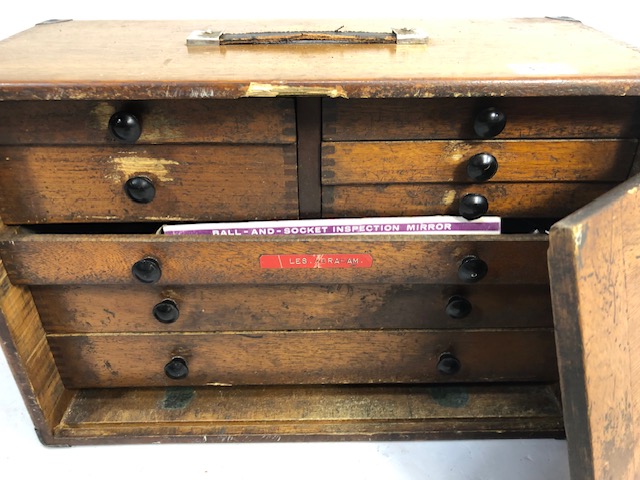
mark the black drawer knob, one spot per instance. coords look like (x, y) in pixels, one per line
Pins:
(489, 122)
(125, 127)
(448, 364)
(166, 311)
(140, 189)
(147, 270)
(481, 167)
(177, 368)
(472, 269)
(473, 206)
(458, 307)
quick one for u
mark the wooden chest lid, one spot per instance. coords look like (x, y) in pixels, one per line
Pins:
(150, 59)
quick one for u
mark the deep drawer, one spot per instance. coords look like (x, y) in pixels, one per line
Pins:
(325, 357)
(447, 161)
(453, 118)
(40, 259)
(162, 121)
(190, 182)
(115, 309)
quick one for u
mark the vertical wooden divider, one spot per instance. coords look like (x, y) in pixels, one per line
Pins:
(308, 125)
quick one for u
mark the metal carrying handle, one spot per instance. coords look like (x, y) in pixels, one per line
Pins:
(396, 36)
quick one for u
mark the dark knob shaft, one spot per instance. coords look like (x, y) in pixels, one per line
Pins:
(147, 270)
(448, 364)
(166, 311)
(473, 206)
(125, 127)
(140, 189)
(481, 167)
(489, 122)
(472, 269)
(458, 307)
(177, 368)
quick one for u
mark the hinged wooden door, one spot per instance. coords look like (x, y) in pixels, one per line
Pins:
(594, 263)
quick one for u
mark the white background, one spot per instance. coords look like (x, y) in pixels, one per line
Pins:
(21, 454)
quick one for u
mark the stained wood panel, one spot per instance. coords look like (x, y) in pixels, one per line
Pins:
(452, 118)
(594, 265)
(162, 121)
(102, 309)
(446, 161)
(324, 357)
(204, 182)
(515, 200)
(202, 259)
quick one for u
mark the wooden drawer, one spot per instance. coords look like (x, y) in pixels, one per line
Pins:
(453, 118)
(446, 161)
(113, 309)
(194, 182)
(162, 121)
(39, 259)
(524, 200)
(325, 357)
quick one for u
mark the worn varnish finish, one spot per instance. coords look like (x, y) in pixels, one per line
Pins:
(162, 121)
(102, 309)
(516, 200)
(452, 118)
(203, 182)
(202, 259)
(322, 357)
(446, 161)
(594, 265)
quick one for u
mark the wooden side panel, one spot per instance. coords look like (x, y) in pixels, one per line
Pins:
(594, 262)
(87, 184)
(442, 161)
(24, 343)
(323, 357)
(515, 200)
(162, 121)
(102, 309)
(452, 118)
(400, 412)
(203, 259)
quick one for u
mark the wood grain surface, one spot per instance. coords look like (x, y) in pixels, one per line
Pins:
(515, 200)
(377, 412)
(203, 182)
(319, 357)
(162, 121)
(103, 309)
(143, 59)
(452, 118)
(594, 265)
(202, 259)
(446, 161)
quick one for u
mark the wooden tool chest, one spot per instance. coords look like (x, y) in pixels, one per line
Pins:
(118, 334)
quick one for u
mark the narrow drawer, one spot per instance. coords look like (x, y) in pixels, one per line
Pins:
(161, 121)
(39, 259)
(454, 161)
(117, 309)
(524, 200)
(454, 118)
(326, 357)
(186, 182)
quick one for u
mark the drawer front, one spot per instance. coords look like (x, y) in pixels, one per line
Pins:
(441, 161)
(256, 358)
(161, 121)
(203, 182)
(38, 259)
(115, 309)
(453, 118)
(525, 200)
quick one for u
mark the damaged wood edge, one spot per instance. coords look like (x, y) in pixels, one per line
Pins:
(270, 90)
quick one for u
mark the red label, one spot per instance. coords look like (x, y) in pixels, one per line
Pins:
(329, 260)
